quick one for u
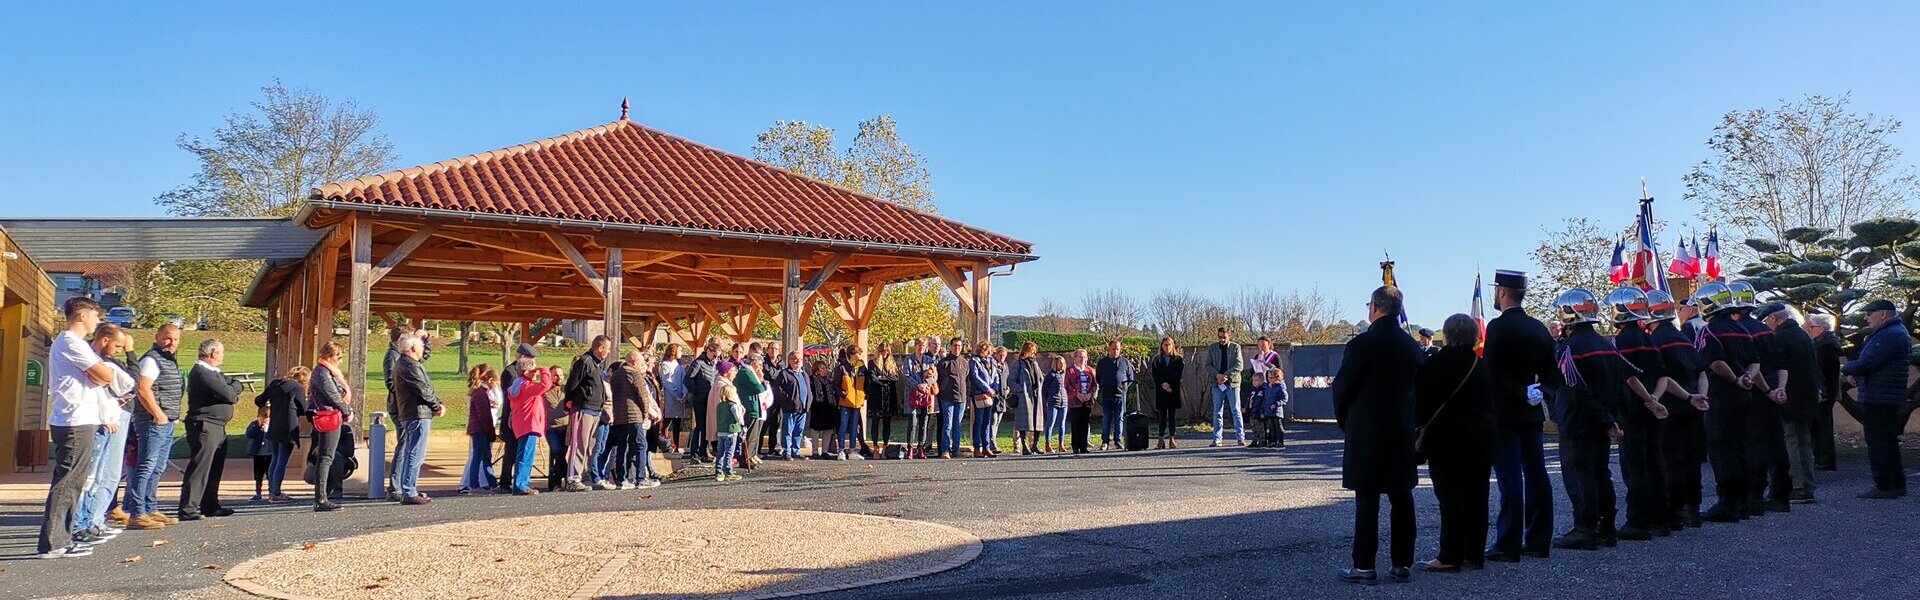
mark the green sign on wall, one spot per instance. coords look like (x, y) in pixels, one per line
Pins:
(33, 373)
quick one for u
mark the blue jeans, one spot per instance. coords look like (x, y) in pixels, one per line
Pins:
(794, 433)
(1056, 431)
(412, 455)
(626, 453)
(849, 429)
(152, 443)
(730, 445)
(982, 429)
(556, 456)
(1225, 400)
(523, 471)
(1113, 420)
(277, 468)
(479, 472)
(109, 450)
(951, 414)
(1526, 495)
(600, 455)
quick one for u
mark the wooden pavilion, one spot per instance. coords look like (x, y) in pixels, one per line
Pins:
(639, 229)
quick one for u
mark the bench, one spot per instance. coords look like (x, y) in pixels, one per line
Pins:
(247, 379)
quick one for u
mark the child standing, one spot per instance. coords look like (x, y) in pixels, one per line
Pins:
(920, 401)
(728, 418)
(1274, 401)
(1054, 388)
(261, 451)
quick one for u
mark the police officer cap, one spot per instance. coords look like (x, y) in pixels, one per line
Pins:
(1510, 279)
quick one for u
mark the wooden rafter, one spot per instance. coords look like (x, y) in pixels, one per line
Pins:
(580, 263)
(393, 258)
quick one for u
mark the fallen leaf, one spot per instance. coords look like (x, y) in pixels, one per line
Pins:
(309, 546)
(647, 497)
(157, 543)
(375, 586)
(460, 545)
(499, 560)
(131, 559)
(210, 567)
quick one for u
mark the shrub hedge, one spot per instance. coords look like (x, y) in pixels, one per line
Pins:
(1067, 342)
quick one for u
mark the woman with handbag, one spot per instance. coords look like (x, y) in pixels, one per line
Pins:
(329, 396)
(1452, 404)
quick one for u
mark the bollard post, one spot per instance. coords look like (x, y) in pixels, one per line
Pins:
(377, 458)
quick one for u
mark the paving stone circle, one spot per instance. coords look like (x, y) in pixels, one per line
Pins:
(711, 554)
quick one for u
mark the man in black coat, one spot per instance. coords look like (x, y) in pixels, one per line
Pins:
(1796, 401)
(210, 399)
(1373, 401)
(1520, 357)
(418, 405)
(699, 382)
(1829, 354)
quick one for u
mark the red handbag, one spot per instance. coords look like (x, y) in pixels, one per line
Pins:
(326, 420)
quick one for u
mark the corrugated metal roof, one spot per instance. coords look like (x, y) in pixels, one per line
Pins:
(99, 239)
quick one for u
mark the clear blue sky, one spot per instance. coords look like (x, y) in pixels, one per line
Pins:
(1139, 145)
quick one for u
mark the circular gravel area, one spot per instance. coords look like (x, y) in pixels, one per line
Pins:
(736, 553)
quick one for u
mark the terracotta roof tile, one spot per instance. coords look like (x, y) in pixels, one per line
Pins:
(624, 172)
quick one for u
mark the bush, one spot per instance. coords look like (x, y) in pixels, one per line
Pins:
(1068, 342)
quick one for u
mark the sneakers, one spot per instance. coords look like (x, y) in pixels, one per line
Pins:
(733, 478)
(649, 483)
(603, 485)
(720, 477)
(624, 485)
(279, 498)
(574, 486)
(417, 500)
(145, 522)
(92, 536)
(256, 499)
(74, 551)
(326, 507)
(843, 456)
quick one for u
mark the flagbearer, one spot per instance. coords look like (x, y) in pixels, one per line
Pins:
(1519, 356)
(1683, 440)
(1728, 351)
(1640, 464)
(1588, 410)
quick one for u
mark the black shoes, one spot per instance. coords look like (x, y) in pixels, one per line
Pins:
(1879, 494)
(190, 516)
(220, 512)
(1755, 507)
(1535, 553)
(1359, 576)
(1505, 557)
(1633, 533)
(1800, 497)
(1577, 540)
(1691, 514)
(1435, 566)
(326, 507)
(1723, 512)
(1399, 575)
(1779, 505)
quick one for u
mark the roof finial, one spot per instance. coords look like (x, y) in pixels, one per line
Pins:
(623, 109)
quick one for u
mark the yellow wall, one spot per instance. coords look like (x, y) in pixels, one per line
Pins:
(27, 325)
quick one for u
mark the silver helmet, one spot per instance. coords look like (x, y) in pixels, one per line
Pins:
(1713, 297)
(1743, 295)
(1628, 305)
(1660, 304)
(1577, 306)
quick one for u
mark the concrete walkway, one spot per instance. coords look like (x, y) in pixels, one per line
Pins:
(1192, 523)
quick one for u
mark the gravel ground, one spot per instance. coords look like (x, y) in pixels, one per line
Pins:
(1192, 523)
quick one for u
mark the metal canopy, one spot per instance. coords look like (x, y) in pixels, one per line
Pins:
(110, 239)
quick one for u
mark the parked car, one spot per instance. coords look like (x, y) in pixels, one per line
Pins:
(121, 316)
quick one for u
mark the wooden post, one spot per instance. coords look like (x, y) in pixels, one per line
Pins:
(273, 331)
(982, 320)
(360, 292)
(610, 327)
(466, 337)
(792, 294)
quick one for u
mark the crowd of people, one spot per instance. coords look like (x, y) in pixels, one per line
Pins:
(1748, 389)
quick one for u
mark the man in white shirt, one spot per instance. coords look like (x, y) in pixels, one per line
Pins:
(76, 376)
(110, 444)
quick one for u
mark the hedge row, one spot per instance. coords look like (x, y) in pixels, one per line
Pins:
(1067, 342)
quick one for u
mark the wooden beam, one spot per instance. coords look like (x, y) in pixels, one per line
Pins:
(545, 329)
(392, 259)
(359, 288)
(982, 320)
(960, 287)
(610, 324)
(701, 245)
(792, 295)
(579, 261)
(820, 276)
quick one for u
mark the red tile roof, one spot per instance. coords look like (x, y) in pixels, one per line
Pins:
(626, 173)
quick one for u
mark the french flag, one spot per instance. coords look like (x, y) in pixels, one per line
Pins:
(1479, 317)
(1710, 259)
(1646, 262)
(1684, 264)
(1619, 273)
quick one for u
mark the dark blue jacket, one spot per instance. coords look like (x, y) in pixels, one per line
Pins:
(1596, 383)
(1881, 370)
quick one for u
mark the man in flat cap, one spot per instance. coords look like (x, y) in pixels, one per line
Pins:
(1520, 357)
(1881, 375)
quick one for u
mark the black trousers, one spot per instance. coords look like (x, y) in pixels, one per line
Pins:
(325, 446)
(1366, 528)
(1881, 424)
(1767, 468)
(1274, 435)
(72, 458)
(1460, 483)
(557, 456)
(1727, 449)
(1588, 473)
(207, 457)
(1078, 420)
(1682, 446)
(1645, 474)
(771, 430)
(1823, 458)
(1167, 424)
(697, 441)
(880, 409)
(509, 455)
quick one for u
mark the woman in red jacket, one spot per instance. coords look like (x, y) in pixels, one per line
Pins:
(528, 399)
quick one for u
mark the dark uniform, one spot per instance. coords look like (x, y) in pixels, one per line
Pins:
(1683, 437)
(1725, 341)
(1766, 439)
(1520, 353)
(1640, 465)
(1586, 409)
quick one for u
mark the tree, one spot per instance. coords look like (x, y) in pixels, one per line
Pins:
(1810, 164)
(260, 163)
(1578, 255)
(1178, 313)
(877, 163)
(1826, 272)
(1112, 311)
(1053, 317)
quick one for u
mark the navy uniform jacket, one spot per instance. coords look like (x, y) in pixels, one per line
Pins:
(1519, 353)
(1681, 360)
(1724, 340)
(1596, 383)
(1636, 345)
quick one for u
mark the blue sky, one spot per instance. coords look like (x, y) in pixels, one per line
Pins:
(1139, 145)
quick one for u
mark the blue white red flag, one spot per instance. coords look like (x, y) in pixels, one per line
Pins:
(1618, 273)
(1710, 259)
(1684, 264)
(1479, 317)
(1646, 262)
